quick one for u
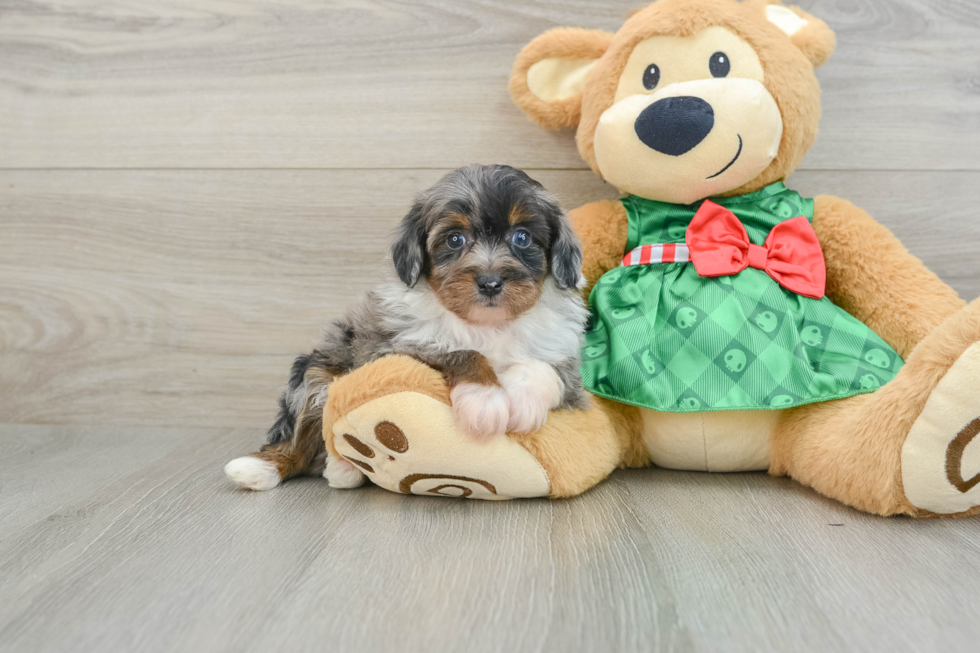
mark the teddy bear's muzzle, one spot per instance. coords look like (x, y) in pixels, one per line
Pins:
(689, 140)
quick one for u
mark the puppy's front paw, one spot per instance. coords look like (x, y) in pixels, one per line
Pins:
(480, 410)
(533, 389)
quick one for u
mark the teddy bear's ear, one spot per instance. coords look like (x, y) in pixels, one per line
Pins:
(550, 73)
(809, 34)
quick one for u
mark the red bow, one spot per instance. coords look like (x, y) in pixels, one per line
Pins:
(720, 247)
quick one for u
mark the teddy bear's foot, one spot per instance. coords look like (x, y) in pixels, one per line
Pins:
(941, 455)
(408, 442)
(393, 422)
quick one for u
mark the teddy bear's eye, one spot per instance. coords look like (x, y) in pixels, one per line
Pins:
(651, 76)
(719, 64)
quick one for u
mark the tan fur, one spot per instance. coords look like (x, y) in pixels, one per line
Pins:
(563, 43)
(455, 286)
(925, 514)
(520, 297)
(788, 65)
(850, 450)
(581, 448)
(872, 276)
(386, 376)
(451, 223)
(467, 367)
(517, 215)
(816, 40)
(792, 85)
(603, 228)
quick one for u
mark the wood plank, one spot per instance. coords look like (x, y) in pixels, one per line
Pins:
(139, 543)
(148, 296)
(181, 297)
(380, 83)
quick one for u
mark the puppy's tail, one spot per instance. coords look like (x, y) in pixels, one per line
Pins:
(291, 402)
(295, 441)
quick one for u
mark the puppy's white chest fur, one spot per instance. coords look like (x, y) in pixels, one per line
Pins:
(551, 332)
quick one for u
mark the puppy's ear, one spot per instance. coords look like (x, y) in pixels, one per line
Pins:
(408, 252)
(566, 251)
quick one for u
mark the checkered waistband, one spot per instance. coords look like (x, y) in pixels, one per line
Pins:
(659, 253)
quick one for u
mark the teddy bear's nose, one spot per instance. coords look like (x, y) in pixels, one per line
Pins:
(675, 125)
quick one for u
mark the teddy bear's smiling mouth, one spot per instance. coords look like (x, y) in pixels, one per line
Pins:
(732, 162)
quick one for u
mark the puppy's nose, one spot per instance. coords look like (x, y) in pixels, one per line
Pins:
(675, 125)
(490, 284)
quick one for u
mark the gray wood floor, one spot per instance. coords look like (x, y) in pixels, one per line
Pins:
(188, 190)
(124, 539)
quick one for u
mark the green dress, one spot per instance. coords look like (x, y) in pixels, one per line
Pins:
(664, 338)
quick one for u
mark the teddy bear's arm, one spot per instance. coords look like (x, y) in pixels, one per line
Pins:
(872, 276)
(603, 228)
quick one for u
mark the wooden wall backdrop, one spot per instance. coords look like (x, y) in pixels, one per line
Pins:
(190, 189)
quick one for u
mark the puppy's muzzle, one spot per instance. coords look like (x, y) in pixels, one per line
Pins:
(675, 125)
(490, 285)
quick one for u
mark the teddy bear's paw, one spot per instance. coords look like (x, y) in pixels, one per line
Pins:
(410, 443)
(252, 473)
(481, 411)
(941, 455)
(533, 389)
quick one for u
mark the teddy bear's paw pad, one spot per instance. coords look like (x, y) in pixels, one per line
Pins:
(408, 442)
(941, 455)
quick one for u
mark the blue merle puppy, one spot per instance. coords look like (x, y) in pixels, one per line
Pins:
(483, 286)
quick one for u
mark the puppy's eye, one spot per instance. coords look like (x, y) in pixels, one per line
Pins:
(719, 64)
(521, 239)
(456, 240)
(651, 76)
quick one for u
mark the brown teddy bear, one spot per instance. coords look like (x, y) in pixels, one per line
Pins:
(757, 330)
